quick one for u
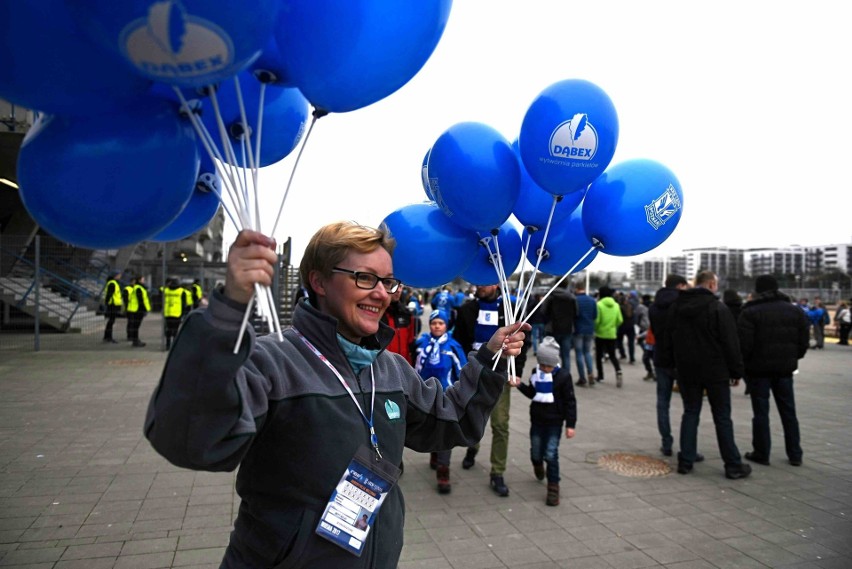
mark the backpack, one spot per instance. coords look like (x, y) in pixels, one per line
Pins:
(627, 311)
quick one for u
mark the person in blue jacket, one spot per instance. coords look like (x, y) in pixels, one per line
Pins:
(440, 356)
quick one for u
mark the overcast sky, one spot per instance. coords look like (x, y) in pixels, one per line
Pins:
(748, 103)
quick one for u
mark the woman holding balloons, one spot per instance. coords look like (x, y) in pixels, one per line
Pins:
(321, 418)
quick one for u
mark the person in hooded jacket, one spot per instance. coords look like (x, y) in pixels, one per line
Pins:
(400, 318)
(773, 337)
(701, 343)
(608, 320)
(560, 310)
(306, 417)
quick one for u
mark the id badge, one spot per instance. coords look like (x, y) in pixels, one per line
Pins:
(352, 509)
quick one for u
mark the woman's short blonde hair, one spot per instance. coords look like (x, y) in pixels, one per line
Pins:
(333, 242)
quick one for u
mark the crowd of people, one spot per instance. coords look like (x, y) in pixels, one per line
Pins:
(317, 423)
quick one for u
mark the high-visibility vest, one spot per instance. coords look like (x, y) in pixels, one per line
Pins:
(114, 298)
(197, 291)
(133, 301)
(187, 297)
(172, 302)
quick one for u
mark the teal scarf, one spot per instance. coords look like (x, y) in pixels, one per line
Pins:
(358, 357)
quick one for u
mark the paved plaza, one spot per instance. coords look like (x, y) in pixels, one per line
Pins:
(80, 487)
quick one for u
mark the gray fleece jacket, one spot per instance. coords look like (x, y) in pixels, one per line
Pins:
(277, 412)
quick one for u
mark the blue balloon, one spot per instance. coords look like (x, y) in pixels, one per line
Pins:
(565, 245)
(285, 114)
(474, 176)
(202, 206)
(48, 65)
(482, 270)
(424, 177)
(347, 55)
(188, 43)
(633, 207)
(430, 249)
(107, 181)
(568, 136)
(534, 204)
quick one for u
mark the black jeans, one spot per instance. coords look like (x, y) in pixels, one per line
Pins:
(719, 396)
(603, 345)
(782, 390)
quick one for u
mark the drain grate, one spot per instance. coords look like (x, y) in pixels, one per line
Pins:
(634, 465)
(129, 362)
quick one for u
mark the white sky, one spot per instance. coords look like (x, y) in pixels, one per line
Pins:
(748, 103)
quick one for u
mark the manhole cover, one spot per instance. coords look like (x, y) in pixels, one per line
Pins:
(129, 362)
(634, 465)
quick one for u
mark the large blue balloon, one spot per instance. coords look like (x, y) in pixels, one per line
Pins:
(534, 204)
(202, 206)
(181, 42)
(424, 177)
(347, 55)
(48, 65)
(285, 113)
(107, 181)
(430, 249)
(482, 270)
(565, 245)
(633, 207)
(474, 176)
(568, 136)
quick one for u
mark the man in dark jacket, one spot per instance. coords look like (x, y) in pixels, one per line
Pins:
(657, 313)
(774, 337)
(560, 310)
(701, 344)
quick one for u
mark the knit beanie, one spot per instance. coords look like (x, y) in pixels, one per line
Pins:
(441, 315)
(765, 283)
(548, 352)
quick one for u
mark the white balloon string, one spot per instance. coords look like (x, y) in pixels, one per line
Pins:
(243, 325)
(277, 322)
(230, 162)
(557, 283)
(211, 150)
(250, 157)
(293, 173)
(531, 284)
(256, 168)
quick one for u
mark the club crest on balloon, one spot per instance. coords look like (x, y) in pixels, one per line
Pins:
(663, 208)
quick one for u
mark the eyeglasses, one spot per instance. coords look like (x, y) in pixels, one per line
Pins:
(368, 281)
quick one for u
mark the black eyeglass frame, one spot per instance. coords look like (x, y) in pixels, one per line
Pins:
(390, 284)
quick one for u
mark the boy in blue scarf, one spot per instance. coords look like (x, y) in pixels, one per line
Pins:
(441, 357)
(553, 403)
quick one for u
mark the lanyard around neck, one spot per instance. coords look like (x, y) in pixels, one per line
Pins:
(373, 438)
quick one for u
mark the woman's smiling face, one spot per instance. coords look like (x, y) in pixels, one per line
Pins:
(357, 310)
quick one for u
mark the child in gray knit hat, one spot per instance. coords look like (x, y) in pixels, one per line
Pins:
(553, 403)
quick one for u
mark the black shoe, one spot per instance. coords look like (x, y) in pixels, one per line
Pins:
(138, 344)
(433, 460)
(109, 341)
(737, 472)
(666, 451)
(538, 470)
(499, 486)
(699, 457)
(750, 456)
(795, 462)
(469, 458)
(581, 383)
(683, 468)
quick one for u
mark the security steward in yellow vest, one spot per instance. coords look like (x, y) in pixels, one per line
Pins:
(174, 308)
(197, 293)
(138, 305)
(113, 303)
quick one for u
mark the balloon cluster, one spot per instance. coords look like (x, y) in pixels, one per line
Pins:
(555, 179)
(148, 109)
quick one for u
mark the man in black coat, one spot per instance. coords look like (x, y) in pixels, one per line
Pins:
(657, 313)
(560, 311)
(701, 344)
(773, 337)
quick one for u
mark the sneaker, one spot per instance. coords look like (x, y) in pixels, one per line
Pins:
(754, 457)
(499, 486)
(666, 451)
(683, 468)
(618, 379)
(469, 458)
(795, 462)
(649, 377)
(444, 486)
(581, 383)
(538, 469)
(599, 378)
(138, 344)
(737, 472)
(699, 457)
